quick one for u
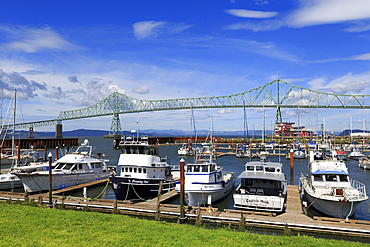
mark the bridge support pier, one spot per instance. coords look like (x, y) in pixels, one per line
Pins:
(59, 131)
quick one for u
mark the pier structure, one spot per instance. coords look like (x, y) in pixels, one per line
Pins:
(294, 218)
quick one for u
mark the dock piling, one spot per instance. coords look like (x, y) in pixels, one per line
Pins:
(182, 192)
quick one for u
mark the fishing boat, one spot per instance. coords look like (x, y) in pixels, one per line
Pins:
(205, 179)
(328, 188)
(263, 187)
(356, 154)
(140, 170)
(74, 168)
(262, 153)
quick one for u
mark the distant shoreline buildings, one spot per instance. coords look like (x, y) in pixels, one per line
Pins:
(285, 129)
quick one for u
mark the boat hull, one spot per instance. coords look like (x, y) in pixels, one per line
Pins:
(9, 181)
(299, 155)
(217, 191)
(40, 182)
(337, 209)
(259, 202)
(137, 189)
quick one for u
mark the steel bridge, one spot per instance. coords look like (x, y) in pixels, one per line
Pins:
(275, 94)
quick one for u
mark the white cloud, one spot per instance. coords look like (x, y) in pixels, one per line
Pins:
(223, 111)
(33, 40)
(319, 12)
(347, 84)
(244, 13)
(141, 90)
(145, 29)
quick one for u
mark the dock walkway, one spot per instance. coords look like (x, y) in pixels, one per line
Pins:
(294, 217)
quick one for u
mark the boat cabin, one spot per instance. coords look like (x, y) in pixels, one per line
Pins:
(261, 178)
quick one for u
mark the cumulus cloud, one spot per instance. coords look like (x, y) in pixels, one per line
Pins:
(346, 84)
(224, 111)
(244, 13)
(25, 89)
(141, 90)
(144, 29)
(309, 13)
(33, 40)
(319, 12)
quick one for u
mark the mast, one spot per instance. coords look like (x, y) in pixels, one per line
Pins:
(13, 143)
(263, 125)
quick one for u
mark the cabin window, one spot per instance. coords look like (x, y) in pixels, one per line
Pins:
(204, 168)
(250, 168)
(122, 169)
(67, 166)
(139, 170)
(219, 175)
(85, 166)
(188, 168)
(59, 166)
(74, 167)
(331, 177)
(269, 169)
(126, 169)
(259, 168)
(317, 178)
(249, 182)
(144, 170)
(130, 169)
(264, 181)
(343, 178)
(146, 150)
(135, 169)
(79, 166)
(196, 168)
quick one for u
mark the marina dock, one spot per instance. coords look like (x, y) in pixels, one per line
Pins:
(293, 218)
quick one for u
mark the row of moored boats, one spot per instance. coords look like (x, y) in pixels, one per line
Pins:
(140, 173)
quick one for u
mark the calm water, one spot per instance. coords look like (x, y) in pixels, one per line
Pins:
(229, 163)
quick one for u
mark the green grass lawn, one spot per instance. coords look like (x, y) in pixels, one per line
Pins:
(23, 225)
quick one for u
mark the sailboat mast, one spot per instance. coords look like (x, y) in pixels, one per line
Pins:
(13, 143)
(263, 125)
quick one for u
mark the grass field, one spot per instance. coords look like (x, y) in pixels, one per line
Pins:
(24, 225)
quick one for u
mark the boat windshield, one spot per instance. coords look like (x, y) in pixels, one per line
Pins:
(139, 150)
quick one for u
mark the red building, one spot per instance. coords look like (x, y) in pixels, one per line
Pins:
(289, 130)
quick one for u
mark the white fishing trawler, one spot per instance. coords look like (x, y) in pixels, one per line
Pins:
(328, 188)
(140, 170)
(204, 179)
(263, 187)
(72, 169)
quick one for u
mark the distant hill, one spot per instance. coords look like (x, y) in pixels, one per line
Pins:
(347, 132)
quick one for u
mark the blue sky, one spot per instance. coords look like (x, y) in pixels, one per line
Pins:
(66, 55)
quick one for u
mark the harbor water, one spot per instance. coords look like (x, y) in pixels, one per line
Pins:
(230, 164)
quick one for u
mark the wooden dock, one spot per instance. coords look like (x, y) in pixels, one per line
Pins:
(294, 217)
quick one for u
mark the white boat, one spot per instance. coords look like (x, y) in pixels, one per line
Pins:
(263, 187)
(140, 170)
(9, 181)
(185, 150)
(72, 169)
(262, 153)
(342, 155)
(356, 154)
(328, 188)
(243, 152)
(299, 154)
(364, 163)
(205, 179)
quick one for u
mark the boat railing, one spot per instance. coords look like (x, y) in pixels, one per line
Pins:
(360, 187)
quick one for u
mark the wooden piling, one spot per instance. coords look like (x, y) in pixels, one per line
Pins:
(291, 166)
(182, 190)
